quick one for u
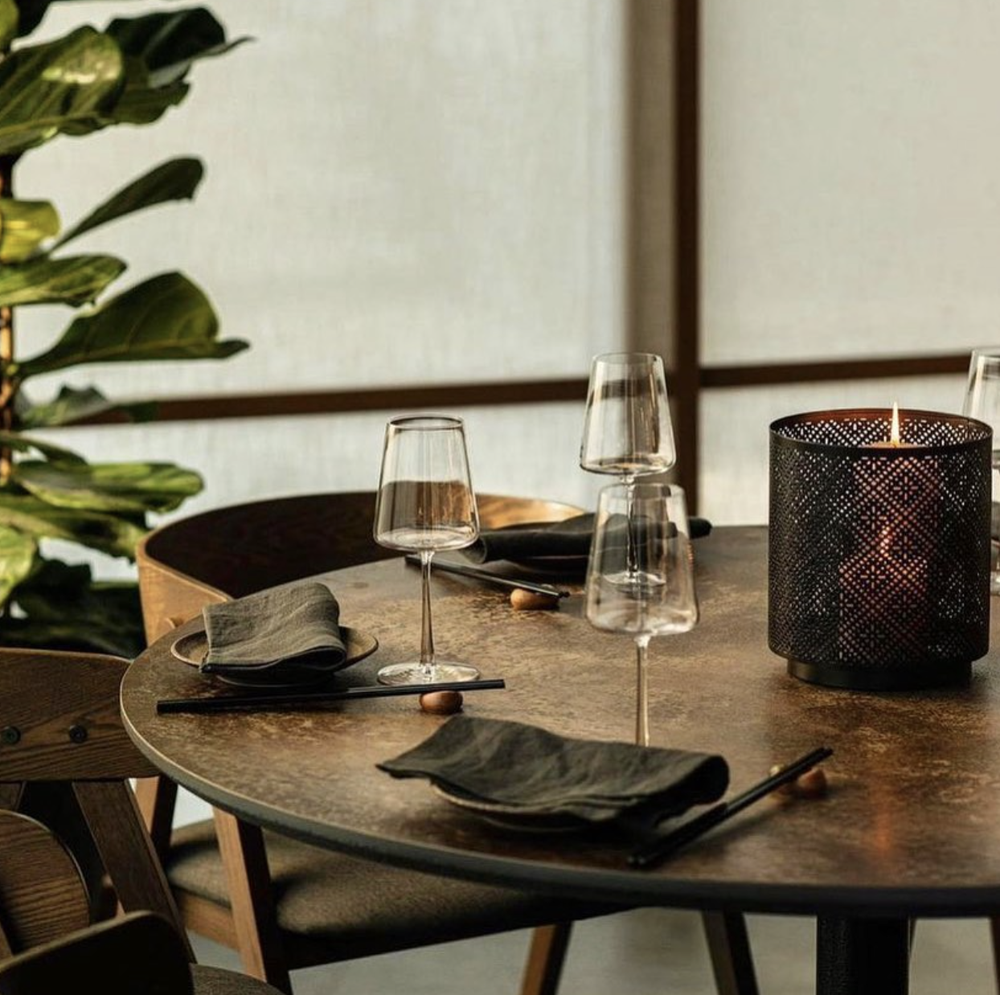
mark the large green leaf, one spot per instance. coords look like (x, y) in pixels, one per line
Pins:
(72, 405)
(24, 225)
(175, 179)
(118, 487)
(114, 534)
(17, 557)
(168, 43)
(25, 444)
(9, 16)
(141, 102)
(68, 85)
(165, 317)
(73, 280)
(61, 607)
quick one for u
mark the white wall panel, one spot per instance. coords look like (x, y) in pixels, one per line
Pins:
(398, 191)
(851, 178)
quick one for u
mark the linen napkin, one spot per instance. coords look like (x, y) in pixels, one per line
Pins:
(290, 633)
(568, 538)
(537, 772)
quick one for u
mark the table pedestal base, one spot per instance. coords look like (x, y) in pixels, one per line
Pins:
(862, 956)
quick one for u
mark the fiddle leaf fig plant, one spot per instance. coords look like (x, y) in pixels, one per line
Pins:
(131, 72)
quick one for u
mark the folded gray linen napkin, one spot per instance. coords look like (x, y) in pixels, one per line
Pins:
(530, 540)
(537, 772)
(288, 631)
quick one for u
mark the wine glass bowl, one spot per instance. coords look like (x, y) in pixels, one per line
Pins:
(627, 426)
(425, 503)
(982, 402)
(640, 576)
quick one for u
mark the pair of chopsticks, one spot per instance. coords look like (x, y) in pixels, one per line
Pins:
(444, 566)
(266, 702)
(651, 854)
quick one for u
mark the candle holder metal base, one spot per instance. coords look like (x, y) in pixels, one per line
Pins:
(913, 678)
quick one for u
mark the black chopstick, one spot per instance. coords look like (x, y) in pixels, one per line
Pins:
(491, 578)
(652, 853)
(265, 702)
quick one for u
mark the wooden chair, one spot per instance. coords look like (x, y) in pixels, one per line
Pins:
(48, 943)
(283, 904)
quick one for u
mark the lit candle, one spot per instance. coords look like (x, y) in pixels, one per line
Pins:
(895, 441)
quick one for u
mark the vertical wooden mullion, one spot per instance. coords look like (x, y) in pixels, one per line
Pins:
(687, 243)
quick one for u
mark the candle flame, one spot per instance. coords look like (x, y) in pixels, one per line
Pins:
(894, 434)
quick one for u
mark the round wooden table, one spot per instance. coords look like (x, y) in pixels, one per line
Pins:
(910, 826)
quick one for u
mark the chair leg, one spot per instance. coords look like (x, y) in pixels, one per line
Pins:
(545, 959)
(126, 851)
(10, 795)
(729, 950)
(157, 798)
(248, 879)
(995, 939)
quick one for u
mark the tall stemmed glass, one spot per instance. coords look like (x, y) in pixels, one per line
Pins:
(648, 522)
(982, 401)
(627, 429)
(425, 503)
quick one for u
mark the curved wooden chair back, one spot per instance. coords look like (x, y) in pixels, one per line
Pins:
(231, 552)
(138, 954)
(61, 724)
(43, 895)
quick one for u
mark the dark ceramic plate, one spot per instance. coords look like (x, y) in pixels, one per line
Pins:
(193, 647)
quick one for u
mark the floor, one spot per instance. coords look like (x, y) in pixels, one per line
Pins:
(647, 951)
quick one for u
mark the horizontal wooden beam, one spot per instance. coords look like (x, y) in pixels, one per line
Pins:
(884, 368)
(212, 407)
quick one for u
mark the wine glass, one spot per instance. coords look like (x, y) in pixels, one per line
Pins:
(982, 401)
(425, 503)
(647, 521)
(627, 429)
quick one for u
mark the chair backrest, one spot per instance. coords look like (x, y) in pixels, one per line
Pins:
(60, 718)
(234, 551)
(43, 895)
(137, 954)
(60, 723)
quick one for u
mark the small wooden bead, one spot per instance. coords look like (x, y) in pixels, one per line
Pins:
(441, 702)
(528, 601)
(811, 784)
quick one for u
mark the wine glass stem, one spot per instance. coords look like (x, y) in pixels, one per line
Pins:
(641, 691)
(631, 565)
(426, 629)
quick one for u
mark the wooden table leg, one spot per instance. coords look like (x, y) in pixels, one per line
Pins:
(862, 956)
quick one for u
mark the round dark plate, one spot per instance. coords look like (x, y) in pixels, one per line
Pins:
(193, 647)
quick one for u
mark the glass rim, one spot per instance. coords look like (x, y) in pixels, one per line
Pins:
(624, 358)
(426, 422)
(653, 486)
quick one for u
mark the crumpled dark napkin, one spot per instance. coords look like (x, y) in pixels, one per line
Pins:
(540, 773)
(289, 632)
(527, 541)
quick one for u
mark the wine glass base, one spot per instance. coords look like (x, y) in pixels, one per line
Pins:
(635, 582)
(415, 673)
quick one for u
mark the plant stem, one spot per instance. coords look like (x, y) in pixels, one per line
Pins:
(7, 387)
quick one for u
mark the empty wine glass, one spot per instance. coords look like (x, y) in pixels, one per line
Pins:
(627, 428)
(647, 521)
(982, 401)
(425, 503)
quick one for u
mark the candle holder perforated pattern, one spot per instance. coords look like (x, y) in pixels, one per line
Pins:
(879, 556)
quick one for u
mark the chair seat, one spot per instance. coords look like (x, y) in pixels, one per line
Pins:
(360, 907)
(216, 981)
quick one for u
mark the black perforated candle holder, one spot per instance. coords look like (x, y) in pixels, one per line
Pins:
(879, 553)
